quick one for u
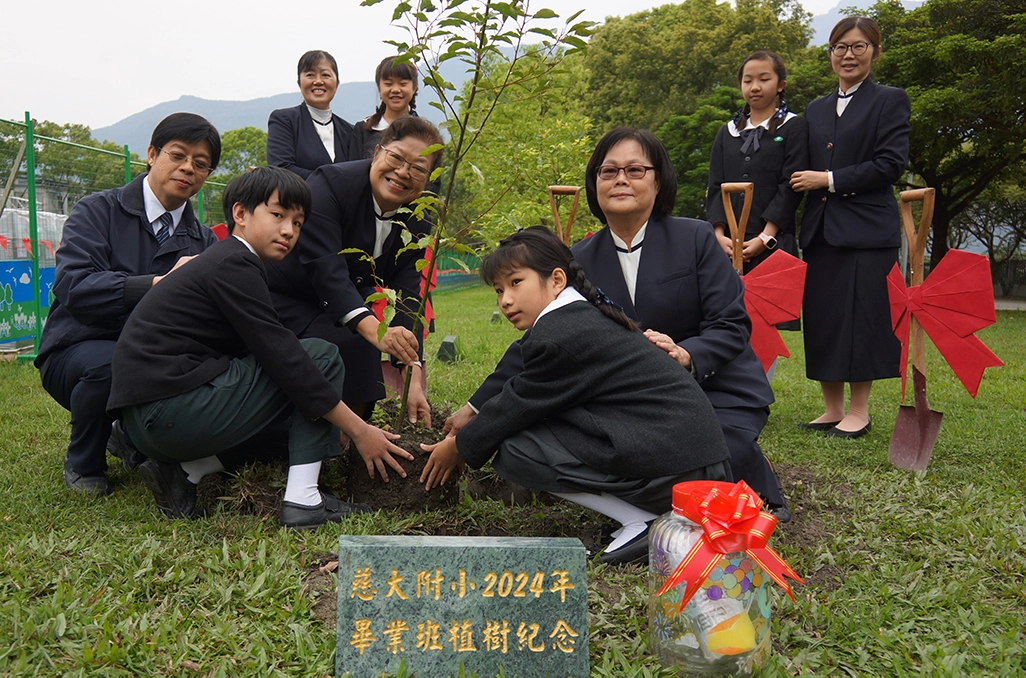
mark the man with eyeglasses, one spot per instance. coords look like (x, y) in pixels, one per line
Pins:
(115, 246)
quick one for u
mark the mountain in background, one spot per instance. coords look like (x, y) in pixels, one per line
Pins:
(353, 101)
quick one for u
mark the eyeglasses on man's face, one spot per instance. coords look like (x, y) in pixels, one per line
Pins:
(839, 49)
(396, 161)
(610, 172)
(198, 166)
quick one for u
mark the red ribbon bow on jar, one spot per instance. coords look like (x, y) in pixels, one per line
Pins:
(954, 302)
(732, 520)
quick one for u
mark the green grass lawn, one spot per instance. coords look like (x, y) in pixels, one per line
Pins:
(907, 574)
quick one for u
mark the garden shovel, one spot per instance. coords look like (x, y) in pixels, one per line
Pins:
(737, 229)
(561, 231)
(917, 427)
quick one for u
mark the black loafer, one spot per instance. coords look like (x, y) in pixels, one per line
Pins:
(330, 510)
(781, 511)
(818, 426)
(634, 552)
(93, 483)
(171, 489)
(122, 448)
(838, 433)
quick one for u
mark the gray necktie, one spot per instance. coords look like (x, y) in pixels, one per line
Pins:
(164, 232)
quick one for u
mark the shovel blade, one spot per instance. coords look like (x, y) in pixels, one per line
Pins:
(915, 430)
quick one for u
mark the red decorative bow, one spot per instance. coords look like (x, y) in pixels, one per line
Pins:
(773, 295)
(954, 302)
(732, 520)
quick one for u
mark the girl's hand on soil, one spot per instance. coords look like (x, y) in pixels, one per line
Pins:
(417, 406)
(376, 448)
(666, 343)
(458, 420)
(444, 459)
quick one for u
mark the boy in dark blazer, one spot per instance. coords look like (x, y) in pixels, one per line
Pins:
(204, 363)
(117, 244)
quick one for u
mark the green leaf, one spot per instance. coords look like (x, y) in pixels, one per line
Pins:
(545, 14)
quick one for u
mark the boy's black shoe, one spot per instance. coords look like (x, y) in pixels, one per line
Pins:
(299, 517)
(94, 483)
(171, 489)
(122, 448)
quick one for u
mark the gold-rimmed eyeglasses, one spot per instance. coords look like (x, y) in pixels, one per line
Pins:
(199, 166)
(396, 161)
(839, 49)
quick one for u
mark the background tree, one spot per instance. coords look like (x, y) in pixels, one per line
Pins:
(241, 149)
(67, 173)
(997, 221)
(645, 67)
(961, 63)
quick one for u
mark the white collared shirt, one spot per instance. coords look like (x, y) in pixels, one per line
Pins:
(845, 97)
(732, 128)
(245, 242)
(568, 296)
(155, 210)
(630, 257)
(325, 128)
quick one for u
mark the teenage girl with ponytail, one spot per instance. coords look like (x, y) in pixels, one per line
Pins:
(397, 86)
(599, 415)
(764, 144)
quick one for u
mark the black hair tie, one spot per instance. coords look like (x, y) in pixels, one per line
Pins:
(603, 299)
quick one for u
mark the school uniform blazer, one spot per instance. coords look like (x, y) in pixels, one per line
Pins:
(314, 278)
(197, 320)
(106, 262)
(867, 149)
(780, 154)
(293, 142)
(607, 393)
(687, 289)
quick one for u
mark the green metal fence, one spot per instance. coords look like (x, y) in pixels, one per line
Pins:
(42, 178)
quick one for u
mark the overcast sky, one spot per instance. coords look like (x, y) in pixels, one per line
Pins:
(98, 61)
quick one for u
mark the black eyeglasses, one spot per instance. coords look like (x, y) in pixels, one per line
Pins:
(610, 172)
(857, 48)
(396, 161)
(199, 166)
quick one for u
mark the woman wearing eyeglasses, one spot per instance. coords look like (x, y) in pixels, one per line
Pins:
(670, 275)
(850, 231)
(319, 292)
(309, 135)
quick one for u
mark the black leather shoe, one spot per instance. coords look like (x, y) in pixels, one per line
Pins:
(818, 426)
(781, 511)
(299, 517)
(171, 489)
(122, 448)
(94, 483)
(838, 433)
(634, 552)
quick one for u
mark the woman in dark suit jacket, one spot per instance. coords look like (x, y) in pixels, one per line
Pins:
(309, 135)
(764, 144)
(319, 292)
(858, 147)
(670, 275)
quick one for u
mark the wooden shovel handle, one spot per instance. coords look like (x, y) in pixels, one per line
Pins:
(737, 229)
(564, 233)
(916, 257)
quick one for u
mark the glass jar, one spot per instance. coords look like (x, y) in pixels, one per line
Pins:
(724, 629)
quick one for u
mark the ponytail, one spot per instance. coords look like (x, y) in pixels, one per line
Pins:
(373, 121)
(609, 308)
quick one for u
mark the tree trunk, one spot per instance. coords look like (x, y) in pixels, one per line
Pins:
(941, 228)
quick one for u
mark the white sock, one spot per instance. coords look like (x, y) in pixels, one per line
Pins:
(630, 516)
(301, 487)
(197, 468)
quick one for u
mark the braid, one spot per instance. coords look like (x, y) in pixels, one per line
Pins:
(780, 114)
(741, 117)
(578, 279)
(376, 118)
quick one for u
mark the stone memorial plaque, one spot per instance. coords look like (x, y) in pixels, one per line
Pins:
(518, 605)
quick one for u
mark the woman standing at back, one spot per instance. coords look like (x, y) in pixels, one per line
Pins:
(309, 135)
(858, 147)
(397, 86)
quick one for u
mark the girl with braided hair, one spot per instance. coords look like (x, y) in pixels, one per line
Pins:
(764, 144)
(599, 415)
(397, 84)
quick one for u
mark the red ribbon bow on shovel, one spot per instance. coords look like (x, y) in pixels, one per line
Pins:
(773, 295)
(732, 520)
(954, 302)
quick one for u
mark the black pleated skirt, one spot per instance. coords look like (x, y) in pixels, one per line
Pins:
(846, 312)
